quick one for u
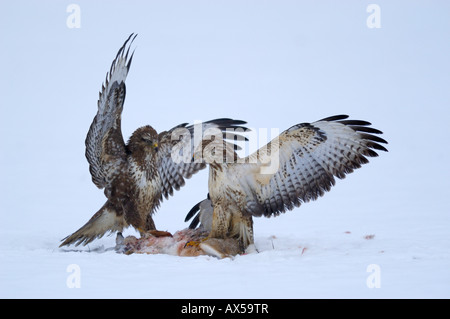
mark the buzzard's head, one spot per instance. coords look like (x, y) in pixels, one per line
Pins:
(144, 139)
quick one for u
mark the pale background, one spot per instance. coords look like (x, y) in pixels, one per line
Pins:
(271, 63)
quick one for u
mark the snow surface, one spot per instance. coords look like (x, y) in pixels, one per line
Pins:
(271, 63)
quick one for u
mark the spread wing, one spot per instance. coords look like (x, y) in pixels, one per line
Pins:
(105, 147)
(308, 157)
(176, 157)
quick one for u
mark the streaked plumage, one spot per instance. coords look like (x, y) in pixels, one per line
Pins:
(298, 166)
(138, 174)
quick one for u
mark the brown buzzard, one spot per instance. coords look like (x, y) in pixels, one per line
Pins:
(298, 166)
(135, 175)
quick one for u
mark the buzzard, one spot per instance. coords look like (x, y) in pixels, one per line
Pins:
(298, 166)
(136, 175)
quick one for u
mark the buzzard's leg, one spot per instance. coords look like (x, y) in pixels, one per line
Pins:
(119, 242)
(119, 239)
(223, 241)
(221, 222)
(244, 229)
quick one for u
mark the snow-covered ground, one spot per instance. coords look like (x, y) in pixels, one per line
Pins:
(383, 232)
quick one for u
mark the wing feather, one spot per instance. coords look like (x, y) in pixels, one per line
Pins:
(310, 156)
(105, 147)
(177, 149)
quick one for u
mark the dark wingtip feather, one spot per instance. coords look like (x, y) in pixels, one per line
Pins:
(334, 118)
(129, 61)
(373, 138)
(121, 51)
(195, 222)
(376, 146)
(369, 153)
(128, 50)
(355, 123)
(226, 120)
(362, 127)
(366, 129)
(193, 211)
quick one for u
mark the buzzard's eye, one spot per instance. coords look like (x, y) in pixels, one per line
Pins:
(147, 140)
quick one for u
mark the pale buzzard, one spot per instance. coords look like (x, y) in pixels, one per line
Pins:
(298, 166)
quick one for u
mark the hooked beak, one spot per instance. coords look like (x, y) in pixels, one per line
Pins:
(155, 146)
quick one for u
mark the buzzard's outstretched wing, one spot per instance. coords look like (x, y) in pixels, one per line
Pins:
(303, 163)
(177, 160)
(309, 156)
(105, 147)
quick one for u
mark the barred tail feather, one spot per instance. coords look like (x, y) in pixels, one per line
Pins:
(106, 219)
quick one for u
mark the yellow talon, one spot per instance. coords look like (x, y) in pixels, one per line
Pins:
(195, 243)
(191, 243)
